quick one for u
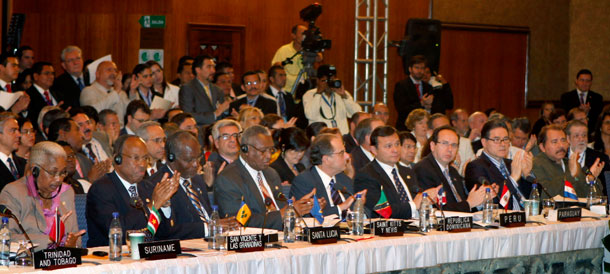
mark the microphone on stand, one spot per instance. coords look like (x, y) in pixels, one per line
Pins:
(4, 211)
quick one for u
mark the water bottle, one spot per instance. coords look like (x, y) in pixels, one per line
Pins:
(488, 208)
(115, 238)
(592, 195)
(424, 213)
(213, 228)
(535, 201)
(290, 223)
(5, 249)
(358, 222)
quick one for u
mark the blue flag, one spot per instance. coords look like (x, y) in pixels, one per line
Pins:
(316, 211)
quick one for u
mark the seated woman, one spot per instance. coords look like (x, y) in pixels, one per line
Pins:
(249, 116)
(292, 143)
(26, 141)
(417, 123)
(39, 194)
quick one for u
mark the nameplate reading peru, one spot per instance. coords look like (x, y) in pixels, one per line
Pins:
(569, 214)
(159, 249)
(61, 257)
(457, 224)
(512, 219)
(388, 228)
(245, 243)
(323, 235)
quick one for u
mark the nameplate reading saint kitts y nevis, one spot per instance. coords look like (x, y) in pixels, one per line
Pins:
(456, 224)
(160, 249)
(572, 214)
(61, 257)
(245, 243)
(323, 235)
(388, 228)
(512, 219)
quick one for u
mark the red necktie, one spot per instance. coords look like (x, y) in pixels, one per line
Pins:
(418, 91)
(8, 88)
(48, 98)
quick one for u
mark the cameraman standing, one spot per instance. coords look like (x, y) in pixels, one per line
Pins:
(329, 102)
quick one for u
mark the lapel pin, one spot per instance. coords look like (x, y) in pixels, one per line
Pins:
(147, 200)
(409, 177)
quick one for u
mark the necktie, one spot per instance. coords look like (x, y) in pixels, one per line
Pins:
(81, 85)
(47, 98)
(418, 91)
(8, 88)
(132, 191)
(152, 171)
(404, 198)
(207, 92)
(582, 98)
(334, 193)
(456, 195)
(190, 192)
(266, 197)
(514, 190)
(13, 168)
(282, 103)
(90, 153)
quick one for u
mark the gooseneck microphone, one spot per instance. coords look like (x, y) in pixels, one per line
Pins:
(4, 211)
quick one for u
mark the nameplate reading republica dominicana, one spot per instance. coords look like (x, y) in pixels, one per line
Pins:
(569, 214)
(457, 224)
(512, 219)
(245, 243)
(57, 258)
(323, 235)
(159, 249)
(388, 228)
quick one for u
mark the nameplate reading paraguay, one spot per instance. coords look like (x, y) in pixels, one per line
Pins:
(57, 258)
(245, 243)
(512, 219)
(160, 249)
(388, 228)
(457, 224)
(569, 214)
(323, 235)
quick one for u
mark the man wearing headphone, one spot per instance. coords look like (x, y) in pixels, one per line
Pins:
(250, 179)
(120, 191)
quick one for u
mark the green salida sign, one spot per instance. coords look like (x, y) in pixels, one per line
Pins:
(152, 21)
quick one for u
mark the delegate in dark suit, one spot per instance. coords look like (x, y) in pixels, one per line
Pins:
(266, 105)
(570, 100)
(350, 142)
(68, 89)
(429, 175)
(5, 172)
(291, 106)
(483, 167)
(234, 183)
(372, 177)
(310, 179)
(37, 102)
(285, 172)
(406, 99)
(590, 157)
(194, 100)
(359, 159)
(217, 161)
(184, 220)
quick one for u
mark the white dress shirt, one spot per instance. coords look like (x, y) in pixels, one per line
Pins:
(388, 172)
(326, 182)
(254, 174)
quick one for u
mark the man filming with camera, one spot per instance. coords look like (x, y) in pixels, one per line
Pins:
(329, 102)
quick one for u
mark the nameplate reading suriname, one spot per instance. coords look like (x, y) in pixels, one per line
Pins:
(160, 249)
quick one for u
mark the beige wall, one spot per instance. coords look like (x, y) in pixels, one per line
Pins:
(549, 35)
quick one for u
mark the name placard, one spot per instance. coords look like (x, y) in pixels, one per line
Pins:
(61, 257)
(388, 228)
(456, 224)
(513, 219)
(323, 235)
(245, 243)
(160, 249)
(569, 214)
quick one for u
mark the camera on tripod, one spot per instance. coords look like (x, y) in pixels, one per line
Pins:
(313, 41)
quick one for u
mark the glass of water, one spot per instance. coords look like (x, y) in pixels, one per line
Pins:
(547, 205)
(221, 235)
(349, 220)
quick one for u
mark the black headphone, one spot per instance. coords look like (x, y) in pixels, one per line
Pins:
(118, 147)
(36, 173)
(171, 156)
(118, 159)
(244, 148)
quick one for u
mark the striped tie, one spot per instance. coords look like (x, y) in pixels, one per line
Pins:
(334, 193)
(13, 169)
(194, 200)
(266, 197)
(404, 197)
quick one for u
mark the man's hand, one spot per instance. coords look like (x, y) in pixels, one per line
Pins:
(322, 202)
(585, 107)
(98, 170)
(531, 143)
(290, 122)
(441, 79)
(208, 173)
(22, 104)
(597, 167)
(303, 205)
(573, 164)
(341, 92)
(222, 107)
(231, 222)
(476, 196)
(165, 189)
(118, 82)
(527, 162)
(350, 200)
(516, 166)
(426, 100)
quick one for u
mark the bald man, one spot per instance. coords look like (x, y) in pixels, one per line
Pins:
(381, 112)
(106, 92)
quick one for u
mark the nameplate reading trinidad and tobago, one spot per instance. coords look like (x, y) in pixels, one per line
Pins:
(571, 214)
(323, 235)
(456, 224)
(388, 228)
(512, 219)
(61, 257)
(160, 249)
(245, 243)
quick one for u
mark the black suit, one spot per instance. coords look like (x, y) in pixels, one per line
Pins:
(406, 99)
(350, 142)
(291, 107)
(285, 172)
(310, 179)
(476, 145)
(359, 159)
(372, 177)
(108, 195)
(483, 167)
(429, 175)
(265, 104)
(184, 221)
(6, 176)
(570, 100)
(590, 157)
(37, 102)
(68, 89)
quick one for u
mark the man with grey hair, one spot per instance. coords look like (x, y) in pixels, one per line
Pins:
(250, 179)
(381, 112)
(153, 135)
(361, 155)
(106, 92)
(12, 166)
(72, 81)
(225, 134)
(459, 121)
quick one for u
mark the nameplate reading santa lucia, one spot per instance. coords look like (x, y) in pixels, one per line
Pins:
(245, 243)
(60, 257)
(323, 235)
(159, 249)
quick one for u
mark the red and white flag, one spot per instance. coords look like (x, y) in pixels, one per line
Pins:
(505, 198)
(57, 229)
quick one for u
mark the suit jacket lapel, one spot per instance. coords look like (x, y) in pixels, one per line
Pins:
(118, 185)
(201, 92)
(250, 185)
(390, 188)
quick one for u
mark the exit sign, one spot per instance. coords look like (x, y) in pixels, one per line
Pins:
(152, 21)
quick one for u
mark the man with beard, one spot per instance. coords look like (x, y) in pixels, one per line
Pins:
(251, 83)
(587, 157)
(106, 92)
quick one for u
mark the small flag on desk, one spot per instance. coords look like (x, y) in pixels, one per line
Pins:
(316, 211)
(383, 207)
(243, 214)
(569, 192)
(153, 220)
(505, 198)
(441, 197)
(58, 229)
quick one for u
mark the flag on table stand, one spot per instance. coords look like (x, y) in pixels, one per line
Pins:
(243, 214)
(505, 198)
(441, 197)
(383, 207)
(58, 229)
(153, 220)
(316, 211)
(569, 192)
